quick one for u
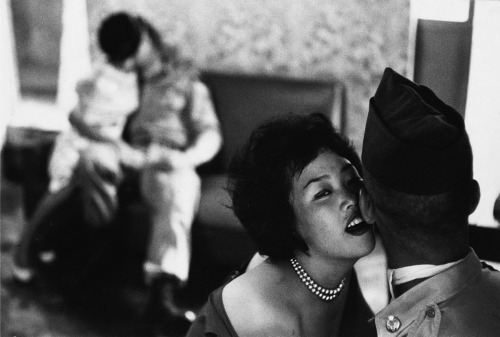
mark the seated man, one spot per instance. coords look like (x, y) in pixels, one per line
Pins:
(418, 173)
(105, 100)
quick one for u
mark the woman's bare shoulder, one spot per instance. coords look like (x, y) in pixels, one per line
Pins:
(243, 296)
(252, 302)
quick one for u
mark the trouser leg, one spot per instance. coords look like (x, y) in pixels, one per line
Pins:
(31, 231)
(172, 198)
(99, 175)
(95, 181)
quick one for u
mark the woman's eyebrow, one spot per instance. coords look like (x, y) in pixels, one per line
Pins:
(313, 180)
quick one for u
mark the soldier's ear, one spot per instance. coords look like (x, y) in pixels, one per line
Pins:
(366, 206)
(475, 196)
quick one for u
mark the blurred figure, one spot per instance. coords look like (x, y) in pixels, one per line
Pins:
(105, 99)
(295, 188)
(418, 172)
(174, 130)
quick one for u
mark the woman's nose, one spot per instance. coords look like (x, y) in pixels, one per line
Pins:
(349, 200)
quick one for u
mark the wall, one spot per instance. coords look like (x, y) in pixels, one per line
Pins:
(351, 40)
(482, 117)
(37, 30)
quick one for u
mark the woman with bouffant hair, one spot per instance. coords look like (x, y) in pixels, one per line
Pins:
(295, 187)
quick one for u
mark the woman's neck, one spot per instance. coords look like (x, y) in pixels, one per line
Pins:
(327, 273)
(314, 316)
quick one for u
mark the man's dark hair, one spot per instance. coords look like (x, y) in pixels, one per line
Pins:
(261, 176)
(119, 36)
(442, 216)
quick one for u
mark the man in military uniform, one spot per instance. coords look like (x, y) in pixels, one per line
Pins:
(418, 172)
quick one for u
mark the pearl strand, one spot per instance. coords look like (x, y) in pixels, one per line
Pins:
(325, 294)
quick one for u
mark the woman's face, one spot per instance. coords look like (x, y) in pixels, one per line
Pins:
(325, 201)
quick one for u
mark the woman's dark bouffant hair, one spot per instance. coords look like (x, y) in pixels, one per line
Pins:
(261, 175)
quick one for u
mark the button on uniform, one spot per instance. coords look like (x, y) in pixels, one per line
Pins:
(393, 323)
(430, 312)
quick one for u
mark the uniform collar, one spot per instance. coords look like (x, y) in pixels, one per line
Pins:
(404, 275)
(433, 290)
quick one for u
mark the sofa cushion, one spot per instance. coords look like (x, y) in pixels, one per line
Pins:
(215, 202)
(216, 231)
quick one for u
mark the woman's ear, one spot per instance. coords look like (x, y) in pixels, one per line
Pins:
(366, 206)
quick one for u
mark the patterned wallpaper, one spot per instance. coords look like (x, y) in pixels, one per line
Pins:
(349, 40)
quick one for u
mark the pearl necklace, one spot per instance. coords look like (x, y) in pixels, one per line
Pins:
(323, 293)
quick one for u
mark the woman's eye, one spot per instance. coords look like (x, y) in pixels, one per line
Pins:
(322, 193)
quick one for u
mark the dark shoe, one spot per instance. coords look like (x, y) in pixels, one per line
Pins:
(163, 314)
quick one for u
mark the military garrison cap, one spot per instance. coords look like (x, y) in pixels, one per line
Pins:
(414, 142)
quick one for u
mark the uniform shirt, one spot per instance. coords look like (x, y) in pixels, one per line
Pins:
(176, 113)
(463, 300)
(174, 109)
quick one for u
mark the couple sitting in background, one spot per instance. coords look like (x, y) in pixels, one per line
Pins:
(296, 188)
(174, 130)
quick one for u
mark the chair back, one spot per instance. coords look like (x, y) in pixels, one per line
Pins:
(242, 102)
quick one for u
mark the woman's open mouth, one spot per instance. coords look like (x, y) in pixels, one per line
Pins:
(357, 226)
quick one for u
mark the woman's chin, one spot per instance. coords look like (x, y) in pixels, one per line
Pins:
(366, 242)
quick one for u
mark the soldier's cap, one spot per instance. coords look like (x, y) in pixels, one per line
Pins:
(414, 142)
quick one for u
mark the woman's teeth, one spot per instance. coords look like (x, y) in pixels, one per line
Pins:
(354, 222)
(357, 226)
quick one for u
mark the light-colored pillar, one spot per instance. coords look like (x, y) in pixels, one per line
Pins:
(75, 52)
(9, 80)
